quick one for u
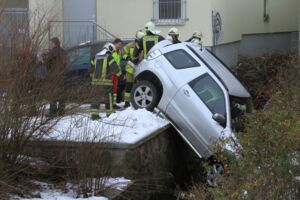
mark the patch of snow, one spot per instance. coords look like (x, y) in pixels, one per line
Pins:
(117, 183)
(49, 192)
(128, 126)
(31, 160)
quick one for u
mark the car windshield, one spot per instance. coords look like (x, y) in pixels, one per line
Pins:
(239, 107)
(210, 93)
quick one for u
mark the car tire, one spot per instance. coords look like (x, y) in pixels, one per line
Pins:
(144, 95)
(213, 173)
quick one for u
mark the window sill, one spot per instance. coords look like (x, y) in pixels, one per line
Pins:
(167, 22)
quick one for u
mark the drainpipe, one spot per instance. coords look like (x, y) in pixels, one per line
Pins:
(213, 33)
(266, 15)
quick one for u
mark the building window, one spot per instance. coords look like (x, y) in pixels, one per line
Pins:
(169, 12)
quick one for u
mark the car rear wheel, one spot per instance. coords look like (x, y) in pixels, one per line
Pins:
(213, 173)
(144, 95)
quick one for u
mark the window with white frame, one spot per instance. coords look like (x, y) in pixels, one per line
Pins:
(168, 12)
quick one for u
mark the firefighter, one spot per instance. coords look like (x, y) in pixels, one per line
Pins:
(104, 65)
(146, 42)
(118, 82)
(196, 38)
(127, 53)
(173, 35)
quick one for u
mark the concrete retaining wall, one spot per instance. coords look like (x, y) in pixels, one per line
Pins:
(253, 45)
(156, 165)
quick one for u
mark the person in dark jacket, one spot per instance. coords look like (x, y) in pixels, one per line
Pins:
(56, 65)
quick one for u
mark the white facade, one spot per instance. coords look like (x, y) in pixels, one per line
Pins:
(239, 18)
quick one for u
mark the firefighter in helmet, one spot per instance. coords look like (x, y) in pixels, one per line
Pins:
(127, 54)
(103, 66)
(173, 35)
(147, 41)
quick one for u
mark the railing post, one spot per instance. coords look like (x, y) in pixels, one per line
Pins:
(49, 34)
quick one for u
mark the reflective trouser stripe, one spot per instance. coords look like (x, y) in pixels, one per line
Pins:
(114, 98)
(127, 96)
(110, 104)
(104, 69)
(94, 111)
(128, 90)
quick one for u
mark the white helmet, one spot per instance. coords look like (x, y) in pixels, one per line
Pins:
(139, 34)
(173, 31)
(150, 26)
(197, 34)
(110, 47)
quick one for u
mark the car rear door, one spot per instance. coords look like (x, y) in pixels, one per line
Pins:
(192, 115)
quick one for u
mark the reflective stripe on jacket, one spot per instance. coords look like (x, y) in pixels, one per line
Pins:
(127, 54)
(147, 39)
(104, 66)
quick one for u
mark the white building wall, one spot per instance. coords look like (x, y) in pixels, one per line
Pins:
(283, 16)
(41, 12)
(239, 17)
(232, 21)
(124, 17)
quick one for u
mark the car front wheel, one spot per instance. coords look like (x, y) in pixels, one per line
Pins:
(144, 95)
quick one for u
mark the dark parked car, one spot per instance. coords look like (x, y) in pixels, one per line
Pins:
(79, 64)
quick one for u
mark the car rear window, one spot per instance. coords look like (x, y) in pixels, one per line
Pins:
(180, 59)
(210, 93)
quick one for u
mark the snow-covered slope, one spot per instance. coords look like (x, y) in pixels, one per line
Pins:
(128, 126)
(49, 191)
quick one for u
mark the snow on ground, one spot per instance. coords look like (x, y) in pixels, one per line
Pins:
(50, 192)
(128, 126)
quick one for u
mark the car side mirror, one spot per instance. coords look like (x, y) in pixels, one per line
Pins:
(219, 118)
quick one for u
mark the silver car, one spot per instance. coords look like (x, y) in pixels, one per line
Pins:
(197, 93)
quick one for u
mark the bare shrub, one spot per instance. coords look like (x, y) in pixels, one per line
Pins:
(261, 75)
(24, 96)
(92, 169)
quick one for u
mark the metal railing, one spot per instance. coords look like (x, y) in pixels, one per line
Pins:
(76, 32)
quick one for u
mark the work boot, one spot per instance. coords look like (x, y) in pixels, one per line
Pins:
(116, 107)
(95, 117)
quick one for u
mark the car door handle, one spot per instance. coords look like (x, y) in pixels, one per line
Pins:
(186, 92)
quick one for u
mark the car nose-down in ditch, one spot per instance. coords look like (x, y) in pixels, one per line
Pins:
(196, 92)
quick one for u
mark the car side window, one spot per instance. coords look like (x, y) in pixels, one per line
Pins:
(80, 56)
(210, 93)
(180, 59)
